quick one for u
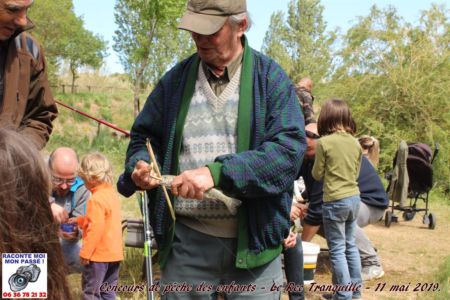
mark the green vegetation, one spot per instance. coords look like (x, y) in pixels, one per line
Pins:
(394, 75)
(148, 41)
(443, 278)
(64, 38)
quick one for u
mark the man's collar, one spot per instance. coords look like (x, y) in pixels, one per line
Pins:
(229, 71)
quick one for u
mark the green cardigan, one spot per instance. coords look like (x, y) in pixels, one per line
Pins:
(270, 147)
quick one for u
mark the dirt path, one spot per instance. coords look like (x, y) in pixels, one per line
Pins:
(410, 253)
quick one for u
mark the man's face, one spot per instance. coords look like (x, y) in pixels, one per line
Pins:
(311, 140)
(219, 48)
(63, 177)
(13, 15)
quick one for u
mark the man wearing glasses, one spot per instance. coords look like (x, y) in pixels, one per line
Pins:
(69, 196)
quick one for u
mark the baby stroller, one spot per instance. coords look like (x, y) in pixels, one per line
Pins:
(411, 178)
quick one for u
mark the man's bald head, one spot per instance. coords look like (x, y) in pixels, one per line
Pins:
(63, 157)
(305, 83)
(63, 163)
(311, 140)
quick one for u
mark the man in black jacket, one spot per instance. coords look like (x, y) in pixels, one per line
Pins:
(374, 201)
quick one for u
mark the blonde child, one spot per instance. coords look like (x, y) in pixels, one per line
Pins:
(371, 149)
(337, 162)
(102, 248)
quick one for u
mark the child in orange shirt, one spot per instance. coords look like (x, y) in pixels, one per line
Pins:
(102, 248)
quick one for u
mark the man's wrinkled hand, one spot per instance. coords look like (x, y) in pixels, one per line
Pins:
(142, 175)
(193, 184)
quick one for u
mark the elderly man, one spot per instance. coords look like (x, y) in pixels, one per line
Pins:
(373, 203)
(69, 196)
(26, 101)
(304, 93)
(226, 117)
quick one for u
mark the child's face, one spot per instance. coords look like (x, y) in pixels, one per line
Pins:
(90, 184)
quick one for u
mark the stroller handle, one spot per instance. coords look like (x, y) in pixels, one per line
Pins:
(435, 152)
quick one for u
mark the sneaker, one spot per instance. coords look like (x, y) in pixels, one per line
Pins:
(371, 273)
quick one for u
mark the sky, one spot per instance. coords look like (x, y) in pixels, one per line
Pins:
(98, 16)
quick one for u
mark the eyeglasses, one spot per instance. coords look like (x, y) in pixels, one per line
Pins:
(59, 180)
(312, 135)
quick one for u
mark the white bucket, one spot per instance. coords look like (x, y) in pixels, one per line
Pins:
(310, 253)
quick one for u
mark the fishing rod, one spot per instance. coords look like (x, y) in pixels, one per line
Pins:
(126, 133)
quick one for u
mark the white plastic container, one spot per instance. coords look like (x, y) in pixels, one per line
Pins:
(310, 254)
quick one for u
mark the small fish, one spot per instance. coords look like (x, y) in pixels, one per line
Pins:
(212, 194)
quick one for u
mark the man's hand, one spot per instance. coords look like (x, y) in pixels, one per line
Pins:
(141, 176)
(298, 210)
(192, 183)
(59, 213)
(290, 241)
(84, 262)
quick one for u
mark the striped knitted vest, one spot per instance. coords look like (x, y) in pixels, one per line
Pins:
(210, 130)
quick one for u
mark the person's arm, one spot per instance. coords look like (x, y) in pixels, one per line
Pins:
(41, 108)
(318, 170)
(60, 215)
(309, 231)
(272, 167)
(94, 224)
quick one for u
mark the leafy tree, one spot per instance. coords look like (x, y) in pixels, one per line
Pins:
(397, 80)
(52, 19)
(300, 44)
(64, 38)
(147, 40)
(83, 49)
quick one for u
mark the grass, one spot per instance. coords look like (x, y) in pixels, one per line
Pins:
(443, 279)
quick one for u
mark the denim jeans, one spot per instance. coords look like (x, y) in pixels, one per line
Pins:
(293, 267)
(339, 220)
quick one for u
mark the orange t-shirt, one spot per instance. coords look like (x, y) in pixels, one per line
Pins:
(102, 227)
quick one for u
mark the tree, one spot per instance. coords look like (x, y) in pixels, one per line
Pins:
(64, 38)
(147, 40)
(83, 49)
(300, 44)
(396, 78)
(52, 19)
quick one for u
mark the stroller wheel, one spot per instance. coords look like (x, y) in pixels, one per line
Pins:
(408, 215)
(388, 219)
(432, 221)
